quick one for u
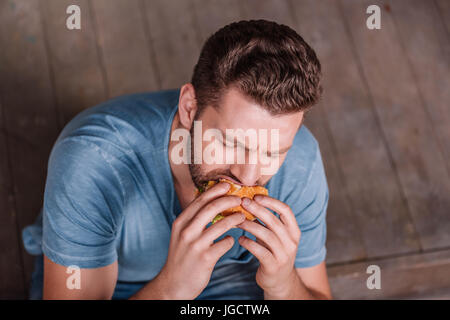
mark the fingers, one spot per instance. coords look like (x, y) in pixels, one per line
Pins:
(260, 240)
(268, 237)
(219, 248)
(210, 210)
(285, 212)
(264, 256)
(269, 219)
(222, 226)
(216, 191)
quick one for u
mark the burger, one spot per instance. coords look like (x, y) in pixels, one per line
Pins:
(235, 190)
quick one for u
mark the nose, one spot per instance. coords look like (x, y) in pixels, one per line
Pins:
(248, 174)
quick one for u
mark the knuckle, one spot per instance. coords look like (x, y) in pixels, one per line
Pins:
(266, 255)
(197, 247)
(206, 256)
(270, 236)
(203, 197)
(185, 235)
(208, 206)
(274, 221)
(287, 208)
(176, 224)
(292, 248)
(235, 219)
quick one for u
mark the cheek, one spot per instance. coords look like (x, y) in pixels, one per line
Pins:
(213, 156)
(216, 155)
(270, 166)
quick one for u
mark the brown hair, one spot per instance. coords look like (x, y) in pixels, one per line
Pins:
(266, 61)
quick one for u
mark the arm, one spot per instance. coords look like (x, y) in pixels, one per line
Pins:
(306, 283)
(96, 283)
(81, 213)
(316, 280)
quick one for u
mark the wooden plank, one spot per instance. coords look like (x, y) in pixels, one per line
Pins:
(360, 147)
(28, 108)
(443, 8)
(410, 276)
(427, 47)
(344, 238)
(212, 15)
(417, 156)
(431, 294)
(127, 55)
(12, 284)
(75, 61)
(272, 10)
(175, 39)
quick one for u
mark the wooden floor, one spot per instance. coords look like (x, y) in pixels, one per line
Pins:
(383, 124)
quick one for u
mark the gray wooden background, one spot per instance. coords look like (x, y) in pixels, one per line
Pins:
(383, 124)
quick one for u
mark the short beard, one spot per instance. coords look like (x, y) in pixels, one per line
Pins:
(200, 178)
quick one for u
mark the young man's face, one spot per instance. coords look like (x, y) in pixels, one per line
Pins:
(250, 157)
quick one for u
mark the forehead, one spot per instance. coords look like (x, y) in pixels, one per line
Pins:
(237, 111)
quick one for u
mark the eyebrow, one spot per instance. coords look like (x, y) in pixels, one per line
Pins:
(281, 151)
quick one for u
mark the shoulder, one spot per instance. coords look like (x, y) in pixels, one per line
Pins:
(301, 176)
(124, 124)
(301, 158)
(101, 145)
(305, 146)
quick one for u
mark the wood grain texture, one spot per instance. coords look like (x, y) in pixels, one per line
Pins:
(28, 108)
(415, 150)
(212, 15)
(12, 284)
(127, 54)
(426, 47)
(379, 210)
(402, 277)
(272, 10)
(443, 8)
(175, 39)
(76, 65)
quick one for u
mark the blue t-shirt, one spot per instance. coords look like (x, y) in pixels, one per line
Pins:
(109, 193)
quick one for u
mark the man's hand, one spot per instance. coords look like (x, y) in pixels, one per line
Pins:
(275, 246)
(192, 251)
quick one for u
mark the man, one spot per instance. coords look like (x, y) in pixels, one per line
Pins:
(121, 207)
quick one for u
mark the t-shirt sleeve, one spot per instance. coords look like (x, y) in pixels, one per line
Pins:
(309, 207)
(82, 205)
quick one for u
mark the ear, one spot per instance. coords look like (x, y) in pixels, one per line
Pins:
(187, 105)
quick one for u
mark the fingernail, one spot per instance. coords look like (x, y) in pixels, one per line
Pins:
(246, 201)
(257, 197)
